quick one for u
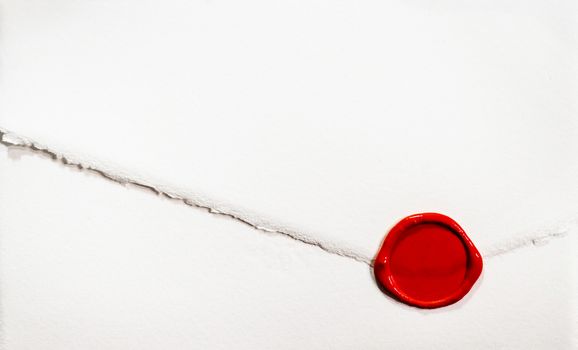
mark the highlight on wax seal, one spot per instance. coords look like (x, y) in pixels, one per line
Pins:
(427, 261)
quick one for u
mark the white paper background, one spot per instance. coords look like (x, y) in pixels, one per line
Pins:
(331, 118)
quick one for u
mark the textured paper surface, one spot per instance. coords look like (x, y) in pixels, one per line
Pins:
(328, 120)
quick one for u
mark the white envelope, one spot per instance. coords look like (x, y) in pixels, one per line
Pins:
(304, 131)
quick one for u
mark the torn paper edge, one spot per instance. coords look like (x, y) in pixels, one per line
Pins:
(12, 140)
(536, 238)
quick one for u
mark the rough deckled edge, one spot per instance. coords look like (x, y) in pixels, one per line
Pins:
(10, 139)
(535, 238)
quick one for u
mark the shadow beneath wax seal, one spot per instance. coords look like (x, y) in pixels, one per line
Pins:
(425, 311)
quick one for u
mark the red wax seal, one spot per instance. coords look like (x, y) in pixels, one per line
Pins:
(428, 261)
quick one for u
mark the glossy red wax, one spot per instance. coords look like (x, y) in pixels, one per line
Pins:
(428, 261)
